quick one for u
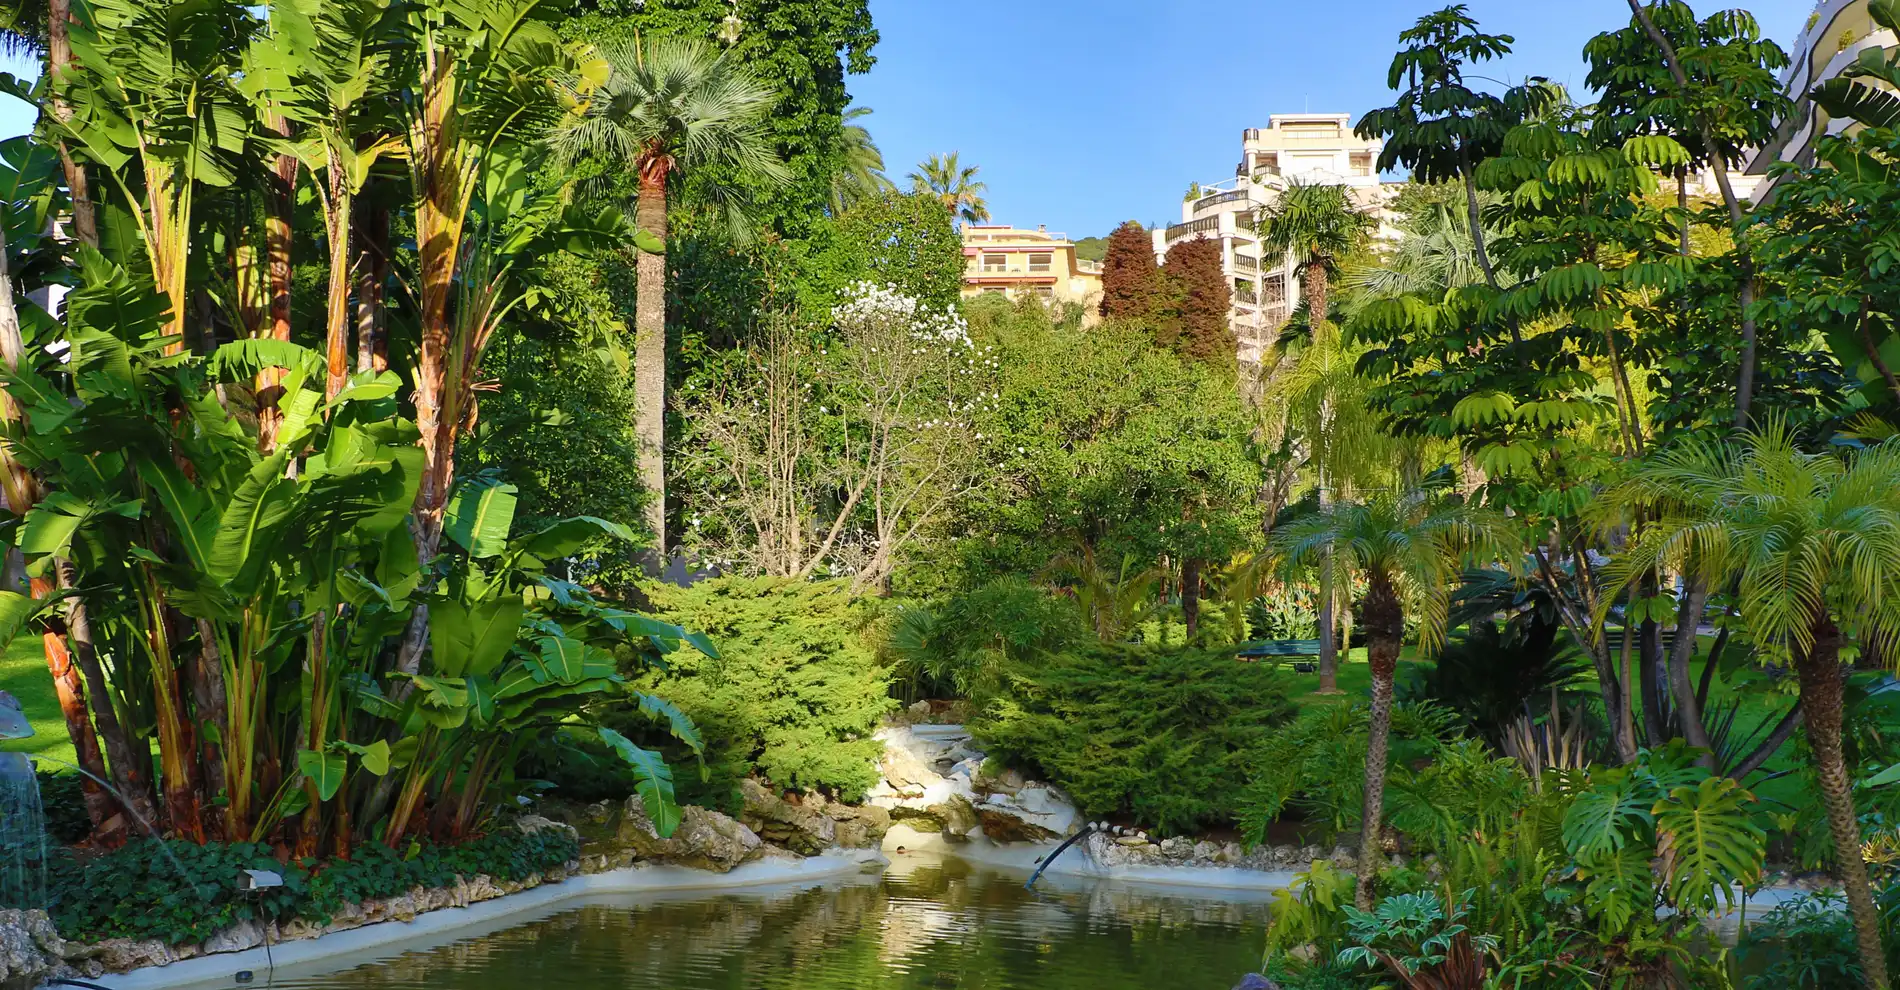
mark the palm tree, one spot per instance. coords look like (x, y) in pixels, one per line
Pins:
(1411, 549)
(1811, 542)
(861, 175)
(672, 106)
(944, 177)
(1315, 226)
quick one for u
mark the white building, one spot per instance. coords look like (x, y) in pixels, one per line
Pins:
(1836, 34)
(1297, 147)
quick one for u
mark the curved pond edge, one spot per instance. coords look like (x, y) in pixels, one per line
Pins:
(342, 949)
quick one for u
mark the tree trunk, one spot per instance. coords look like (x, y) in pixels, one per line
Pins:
(1313, 285)
(1191, 596)
(1328, 645)
(371, 233)
(649, 359)
(59, 58)
(279, 201)
(1688, 707)
(336, 327)
(1745, 381)
(1384, 623)
(131, 765)
(1819, 670)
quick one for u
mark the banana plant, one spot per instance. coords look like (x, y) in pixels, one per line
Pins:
(515, 654)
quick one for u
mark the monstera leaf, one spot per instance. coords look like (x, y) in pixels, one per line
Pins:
(1708, 843)
(1605, 818)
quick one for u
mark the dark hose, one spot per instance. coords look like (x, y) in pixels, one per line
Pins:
(1066, 843)
(75, 983)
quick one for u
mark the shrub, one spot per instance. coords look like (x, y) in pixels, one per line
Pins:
(959, 645)
(179, 892)
(795, 694)
(1167, 735)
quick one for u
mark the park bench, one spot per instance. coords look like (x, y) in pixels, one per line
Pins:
(1278, 650)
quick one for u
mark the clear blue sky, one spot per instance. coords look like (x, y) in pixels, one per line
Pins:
(1085, 114)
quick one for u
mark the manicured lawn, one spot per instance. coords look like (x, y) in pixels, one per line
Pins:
(23, 675)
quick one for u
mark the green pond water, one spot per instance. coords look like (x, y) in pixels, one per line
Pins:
(925, 923)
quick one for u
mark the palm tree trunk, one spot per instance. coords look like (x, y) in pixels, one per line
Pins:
(1819, 669)
(649, 359)
(279, 202)
(1328, 645)
(371, 233)
(131, 765)
(1384, 622)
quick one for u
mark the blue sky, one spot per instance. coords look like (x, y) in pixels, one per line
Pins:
(1085, 114)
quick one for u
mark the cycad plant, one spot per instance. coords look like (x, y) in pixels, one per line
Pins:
(1811, 543)
(1410, 548)
(670, 107)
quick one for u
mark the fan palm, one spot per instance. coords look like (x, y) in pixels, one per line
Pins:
(861, 175)
(1410, 548)
(1811, 542)
(672, 106)
(946, 178)
(1315, 225)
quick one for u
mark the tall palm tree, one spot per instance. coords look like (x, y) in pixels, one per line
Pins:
(861, 176)
(1410, 548)
(672, 106)
(946, 178)
(1314, 226)
(1811, 543)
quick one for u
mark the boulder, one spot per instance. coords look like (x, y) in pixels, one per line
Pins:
(243, 935)
(1001, 825)
(705, 840)
(959, 817)
(530, 824)
(30, 949)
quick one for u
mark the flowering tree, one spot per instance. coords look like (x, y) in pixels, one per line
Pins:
(832, 452)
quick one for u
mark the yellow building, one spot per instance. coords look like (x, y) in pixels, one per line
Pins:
(1020, 264)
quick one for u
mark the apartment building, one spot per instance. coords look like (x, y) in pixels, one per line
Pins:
(1021, 263)
(1836, 34)
(1294, 147)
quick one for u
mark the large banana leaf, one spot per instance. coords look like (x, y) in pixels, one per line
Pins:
(472, 639)
(653, 781)
(242, 542)
(479, 516)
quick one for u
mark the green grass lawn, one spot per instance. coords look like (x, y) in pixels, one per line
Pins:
(23, 675)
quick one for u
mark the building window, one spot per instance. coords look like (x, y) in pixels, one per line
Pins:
(1274, 289)
(996, 262)
(1040, 262)
(1267, 162)
(1311, 129)
(1045, 292)
(1362, 163)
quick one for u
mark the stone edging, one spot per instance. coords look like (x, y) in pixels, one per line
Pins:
(383, 939)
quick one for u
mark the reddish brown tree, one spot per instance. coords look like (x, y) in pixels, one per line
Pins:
(1195, 324)
(1131, 283)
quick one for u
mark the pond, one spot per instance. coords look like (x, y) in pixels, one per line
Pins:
(927, 922)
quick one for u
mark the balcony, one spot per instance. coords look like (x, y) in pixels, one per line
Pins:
(1220, 199)
(1246, 263)
(1245, 295)
(1204, 225)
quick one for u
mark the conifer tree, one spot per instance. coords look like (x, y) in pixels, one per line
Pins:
(1195, 324)
(1130, 279)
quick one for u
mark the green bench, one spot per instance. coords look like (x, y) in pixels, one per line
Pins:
(1278, 650)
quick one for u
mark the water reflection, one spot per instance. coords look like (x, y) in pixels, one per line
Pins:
(924, 924)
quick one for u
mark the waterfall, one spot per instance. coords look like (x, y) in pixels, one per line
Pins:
(22, 835)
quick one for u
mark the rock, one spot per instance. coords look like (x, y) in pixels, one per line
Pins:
(1308, 854)
(30, 949)
(917, 818)
(1285, 855)
(120, 954)
(705, 840)
(1343, 857)
(1206, 852)
(1254, 981)
(530, 824)
(959, 817)
(238, 937)
(1002, 825)
(1130, 840)
(1230, 853)
(799, 825)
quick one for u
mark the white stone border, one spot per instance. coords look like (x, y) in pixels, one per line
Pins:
(383, 940)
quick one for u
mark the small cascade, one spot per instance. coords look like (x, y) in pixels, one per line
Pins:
(22, 818)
